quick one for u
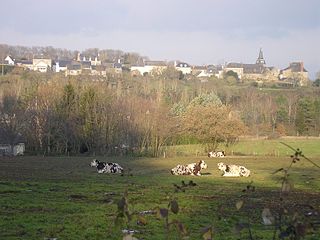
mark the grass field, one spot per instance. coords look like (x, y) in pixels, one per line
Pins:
(64, 198)
(257, 147)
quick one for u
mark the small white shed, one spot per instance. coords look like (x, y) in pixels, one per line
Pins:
(9, 150)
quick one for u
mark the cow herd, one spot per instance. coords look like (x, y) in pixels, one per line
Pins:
(193, 169)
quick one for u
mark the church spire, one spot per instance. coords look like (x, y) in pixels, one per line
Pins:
(260, 59)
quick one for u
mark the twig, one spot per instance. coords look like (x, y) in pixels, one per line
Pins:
(301, 155)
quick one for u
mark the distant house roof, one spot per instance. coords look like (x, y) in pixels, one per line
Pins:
(155, 63)
(214, 68)
(74, 66)
(117, 65)
(41, 56)
(86, 64)
(200, 67)
(248, 68)
(24, 62)
(182, 64)
(98, 68)
(8, 59)
(253, 68)
(296, 67)
(64, 63)
(87, 56)
(82, 57)
(234, 65)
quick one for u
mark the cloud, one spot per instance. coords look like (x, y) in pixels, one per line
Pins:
(252, 17)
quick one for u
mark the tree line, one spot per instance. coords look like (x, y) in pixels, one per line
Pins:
(105, 55)
(125, 114)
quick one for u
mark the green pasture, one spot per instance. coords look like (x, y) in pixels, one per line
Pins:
(255, 147)
(64, 198)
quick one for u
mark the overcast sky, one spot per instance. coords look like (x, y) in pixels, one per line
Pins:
(195, 31)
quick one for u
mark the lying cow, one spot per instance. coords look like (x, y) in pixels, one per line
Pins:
(103, 167)
(190, 169)
(216, 154)
(233, 170)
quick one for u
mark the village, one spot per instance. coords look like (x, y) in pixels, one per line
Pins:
(293, 75)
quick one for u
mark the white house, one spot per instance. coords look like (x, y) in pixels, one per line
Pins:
(235, 67)
(42, 64)
(200, 71)
(73, 69)
(204, 73)
(61, 65)
(185, 68)
(9, 60)
(150, 67)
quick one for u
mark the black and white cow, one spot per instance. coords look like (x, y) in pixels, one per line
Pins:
(190, 169)
(233, 170)
(103, 167)
(216, 154)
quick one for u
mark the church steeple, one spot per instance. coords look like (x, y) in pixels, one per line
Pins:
(260, 59)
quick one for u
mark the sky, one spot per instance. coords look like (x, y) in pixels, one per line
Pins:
(195, 31)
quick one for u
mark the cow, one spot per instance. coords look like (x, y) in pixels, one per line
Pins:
(103, 167)
(219, 154)
(233, 170)
(190, 169)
